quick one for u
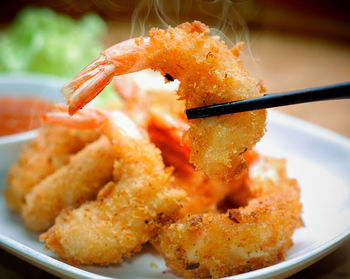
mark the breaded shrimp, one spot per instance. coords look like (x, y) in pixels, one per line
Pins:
(243, 239)
(209, 73)
(49, 151)
(162, 115)
(127, 210)
(204, 194)
(147, 101)
(70, 186)
(164, 119)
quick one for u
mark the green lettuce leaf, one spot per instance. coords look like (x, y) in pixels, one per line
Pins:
(40, 40)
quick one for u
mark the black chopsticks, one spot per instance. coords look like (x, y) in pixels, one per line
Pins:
(322, 93)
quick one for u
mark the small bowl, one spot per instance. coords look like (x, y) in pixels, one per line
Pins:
(46, 88)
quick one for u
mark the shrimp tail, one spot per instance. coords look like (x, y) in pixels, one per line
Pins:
(88, 84)
(126, 57)
(85, 119)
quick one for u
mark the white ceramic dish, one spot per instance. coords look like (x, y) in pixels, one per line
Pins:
(29, 85)
(320, 159)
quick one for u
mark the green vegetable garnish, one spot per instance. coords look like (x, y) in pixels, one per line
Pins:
(40, 40)
(153, 265)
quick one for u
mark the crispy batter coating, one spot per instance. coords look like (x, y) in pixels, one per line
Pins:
(49, 151)
(242, 239)
(143, 201)
(203, 194)
(209, 73)
(163, 116)
(70, 186)
(126, 211)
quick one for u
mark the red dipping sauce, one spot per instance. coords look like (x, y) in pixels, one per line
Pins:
(21, 114)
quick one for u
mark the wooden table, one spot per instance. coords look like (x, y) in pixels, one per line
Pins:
(283, 62)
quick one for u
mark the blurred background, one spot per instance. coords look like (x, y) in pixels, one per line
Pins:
(288, 44)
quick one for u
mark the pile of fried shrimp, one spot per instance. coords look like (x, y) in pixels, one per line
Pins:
(100, 183)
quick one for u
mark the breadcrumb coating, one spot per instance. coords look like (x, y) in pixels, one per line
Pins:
(70, 186)
(126, 212)
(49, 151)
(209, 73)
(243, 239)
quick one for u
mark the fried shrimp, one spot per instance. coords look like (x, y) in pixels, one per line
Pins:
(242, 239)
(127, 209)
(152, 176)
(49, 151)
(209, 73)
(165, 125)
(70, 186)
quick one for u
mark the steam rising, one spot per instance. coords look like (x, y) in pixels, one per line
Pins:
(221, 15)
(148, 9)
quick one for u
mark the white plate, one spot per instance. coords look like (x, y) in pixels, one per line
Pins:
(318, 158)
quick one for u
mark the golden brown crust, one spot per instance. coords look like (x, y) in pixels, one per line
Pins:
(142, 202)
(125, 214)
(242, 239)
(49, 151)
(70, 186)
(209, 73)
